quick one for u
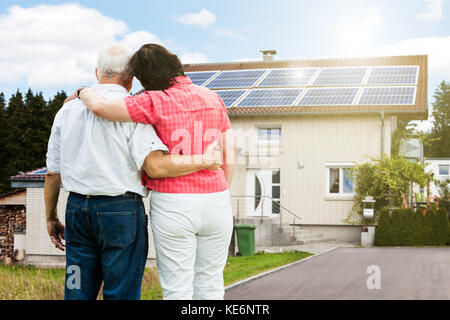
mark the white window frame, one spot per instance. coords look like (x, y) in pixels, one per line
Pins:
(341, 195)
(268, 142)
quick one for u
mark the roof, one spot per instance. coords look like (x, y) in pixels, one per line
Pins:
(13, 198)
(12, 193)
(419, 109)
(34, 175)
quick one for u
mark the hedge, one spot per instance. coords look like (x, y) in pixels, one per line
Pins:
(408, 227)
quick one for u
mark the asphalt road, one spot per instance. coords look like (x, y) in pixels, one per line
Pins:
(347, 274)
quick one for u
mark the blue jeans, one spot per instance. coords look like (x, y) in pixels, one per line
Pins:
(106, 241)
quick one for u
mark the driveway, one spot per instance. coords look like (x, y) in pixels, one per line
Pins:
(347, 274)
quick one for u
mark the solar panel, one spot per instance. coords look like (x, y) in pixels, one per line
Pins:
(200, 78)
(393, 75)
(236, 79)
(328, 97)
(340, 76)
(270, 97)
(388, 96)
(288, 77)
(230, 96)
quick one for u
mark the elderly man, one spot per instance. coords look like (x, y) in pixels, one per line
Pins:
(99, 162)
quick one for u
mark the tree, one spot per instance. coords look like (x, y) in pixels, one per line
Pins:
(385, 179)
(3, 139)
(24, 131)
(437, 143)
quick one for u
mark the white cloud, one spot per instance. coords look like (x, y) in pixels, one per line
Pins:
(436, 48)
(229, 34)
(57, 46)
(203, 19)
(435, 10)
(195, 57)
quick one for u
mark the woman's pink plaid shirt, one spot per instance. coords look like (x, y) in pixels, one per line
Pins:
(187, 118)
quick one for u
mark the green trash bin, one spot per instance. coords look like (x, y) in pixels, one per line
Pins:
(246, 239)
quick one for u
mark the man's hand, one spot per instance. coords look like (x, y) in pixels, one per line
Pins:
(212, 158)
(55, 230)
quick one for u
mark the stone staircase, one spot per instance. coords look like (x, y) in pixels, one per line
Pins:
(285, 236)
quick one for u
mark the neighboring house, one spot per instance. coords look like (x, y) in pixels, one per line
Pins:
(12, 226)
(39, 249)
(441, 170)
(301, 126)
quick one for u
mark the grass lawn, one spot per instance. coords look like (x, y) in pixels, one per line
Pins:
(30, 283)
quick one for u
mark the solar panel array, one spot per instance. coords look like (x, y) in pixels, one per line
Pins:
(229, 97)
(388, 96)
(236, 79)
(199, 78)
(270, 97)
(288, 77)
(393, 75)
(340, 76)
(339, 86)
(328, 97)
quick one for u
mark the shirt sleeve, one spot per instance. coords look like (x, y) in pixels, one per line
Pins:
(54, 147)
(141, 108)
(143, 141)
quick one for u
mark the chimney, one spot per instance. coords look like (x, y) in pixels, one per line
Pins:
(268, 54)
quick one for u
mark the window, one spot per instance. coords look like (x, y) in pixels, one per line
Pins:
(444, 169)
(269, 135)
(339, 180)
(275, 191)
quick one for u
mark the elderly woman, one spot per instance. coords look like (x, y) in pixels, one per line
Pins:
(191, 216)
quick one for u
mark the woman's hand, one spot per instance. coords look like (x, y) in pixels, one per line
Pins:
(212, 157)
(72, 97)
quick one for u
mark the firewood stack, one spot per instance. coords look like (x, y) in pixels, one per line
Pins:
(12, 219)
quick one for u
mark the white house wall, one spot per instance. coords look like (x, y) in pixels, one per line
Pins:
(316, 141)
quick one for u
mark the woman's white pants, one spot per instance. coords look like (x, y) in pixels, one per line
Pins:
(191, 233)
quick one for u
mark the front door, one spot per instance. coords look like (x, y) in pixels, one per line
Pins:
(263, 192)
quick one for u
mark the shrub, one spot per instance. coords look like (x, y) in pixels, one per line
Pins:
(382, 236)
(407, 227)
(441, 228)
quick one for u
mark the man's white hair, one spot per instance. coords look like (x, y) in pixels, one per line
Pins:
(113, 61)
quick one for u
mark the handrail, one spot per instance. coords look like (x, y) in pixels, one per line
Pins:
(271, 199)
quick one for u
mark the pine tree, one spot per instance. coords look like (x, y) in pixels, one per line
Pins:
(437, 143)
(3, 150)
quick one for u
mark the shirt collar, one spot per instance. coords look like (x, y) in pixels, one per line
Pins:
(110, 87)
(183, 80)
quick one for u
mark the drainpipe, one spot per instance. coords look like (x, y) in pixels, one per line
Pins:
(382, 131)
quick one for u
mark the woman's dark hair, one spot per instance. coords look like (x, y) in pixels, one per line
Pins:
(155, 67)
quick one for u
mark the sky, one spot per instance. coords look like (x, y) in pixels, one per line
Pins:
(51, 45)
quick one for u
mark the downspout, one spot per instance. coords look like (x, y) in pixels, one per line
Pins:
(382, 131)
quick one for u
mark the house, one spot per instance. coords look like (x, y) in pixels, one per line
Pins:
(12, 226)
(440, 167)
(301, 126)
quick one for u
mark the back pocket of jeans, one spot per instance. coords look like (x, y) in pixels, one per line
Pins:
(117, 229)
